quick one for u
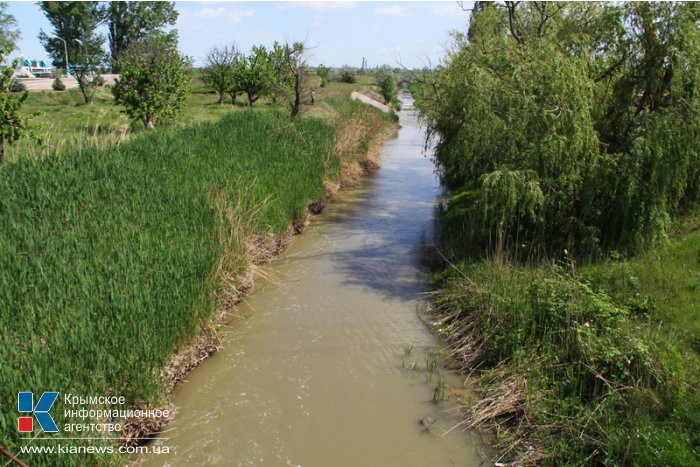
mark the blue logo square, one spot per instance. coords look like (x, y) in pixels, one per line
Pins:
(25, 402)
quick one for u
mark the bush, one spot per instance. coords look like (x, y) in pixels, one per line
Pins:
(17, 86)
(387, 86)
(99, 80)
(346, 75)
(58, 84)
(323, 71)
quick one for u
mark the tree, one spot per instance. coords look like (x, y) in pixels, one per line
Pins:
(86, 72)
(131, 22)
(596, 106)
(254, 75)
(75, 22)
(295, 71)
(218, 73)
(87, 83)
(276, 58)
(323, 72)
(154, 81)
(12, 126)
(387, 84)
(9, 34)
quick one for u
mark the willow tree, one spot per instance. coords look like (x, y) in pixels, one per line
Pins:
(505, 107)
(600, 102)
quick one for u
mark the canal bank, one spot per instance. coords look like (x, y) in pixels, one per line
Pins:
(327, 362)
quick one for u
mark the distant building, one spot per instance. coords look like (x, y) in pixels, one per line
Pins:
(33, 69)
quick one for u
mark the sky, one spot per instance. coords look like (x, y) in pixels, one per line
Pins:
(416, 34)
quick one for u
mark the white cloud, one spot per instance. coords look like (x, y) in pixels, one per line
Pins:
(318, 6)
(213, 19)
(393, 10)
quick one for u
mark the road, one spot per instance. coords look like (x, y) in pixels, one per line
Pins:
(44, 84)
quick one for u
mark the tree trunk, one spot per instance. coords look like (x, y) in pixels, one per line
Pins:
(251, 100)
(85, 89)
(86, 96)
(500, 245)
(222, 97)
(2, 149)
(148, 122)
(297, 95)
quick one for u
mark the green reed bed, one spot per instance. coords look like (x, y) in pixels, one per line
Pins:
(107, 256)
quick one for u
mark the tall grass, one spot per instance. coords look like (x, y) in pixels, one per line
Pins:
(61, 120)
(108, 257)
(590, 366)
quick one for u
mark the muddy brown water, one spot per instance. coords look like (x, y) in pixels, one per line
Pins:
(325, 363)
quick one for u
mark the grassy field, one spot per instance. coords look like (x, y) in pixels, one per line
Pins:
(114, 256)
(61, 120)
(592, 365)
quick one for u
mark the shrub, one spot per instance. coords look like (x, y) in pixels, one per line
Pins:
(17, 86)
(12, 125)
(387, 86)
(346, 75)
(586, 360)
(58, 84)
(323, 72)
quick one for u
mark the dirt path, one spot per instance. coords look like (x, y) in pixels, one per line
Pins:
(369, 101)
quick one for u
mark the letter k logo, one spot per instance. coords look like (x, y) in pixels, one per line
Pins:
(25, 403)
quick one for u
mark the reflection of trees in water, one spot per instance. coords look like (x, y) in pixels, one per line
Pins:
(386, 232)
(392, 262)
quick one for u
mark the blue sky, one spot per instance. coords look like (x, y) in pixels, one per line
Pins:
(415, 33)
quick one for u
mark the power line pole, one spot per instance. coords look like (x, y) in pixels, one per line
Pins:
(364, 65)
